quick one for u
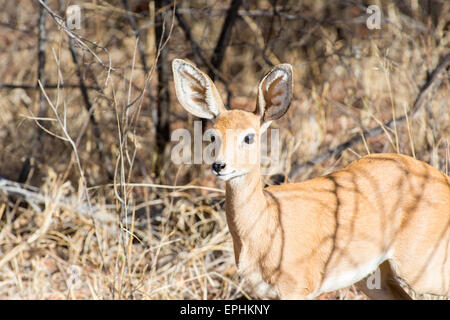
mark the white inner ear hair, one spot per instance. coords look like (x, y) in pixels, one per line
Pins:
(210, 100)
(193, 83)
(275, 85)
(274, 75)
(197, 90)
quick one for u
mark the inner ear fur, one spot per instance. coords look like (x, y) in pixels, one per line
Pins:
(275, 93)
(195, 90)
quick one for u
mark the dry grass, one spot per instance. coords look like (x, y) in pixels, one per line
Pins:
(70, 232)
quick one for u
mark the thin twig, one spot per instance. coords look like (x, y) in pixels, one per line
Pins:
(137, 33)
(89, 108)
(80, 169)
(80, 40)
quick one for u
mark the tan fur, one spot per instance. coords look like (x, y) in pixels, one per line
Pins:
(296, 235)
(299, 240)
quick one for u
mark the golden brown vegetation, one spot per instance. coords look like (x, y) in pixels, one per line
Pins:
(96, 214)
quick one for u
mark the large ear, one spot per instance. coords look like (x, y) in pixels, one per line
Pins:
(195, 90)
(275, 93)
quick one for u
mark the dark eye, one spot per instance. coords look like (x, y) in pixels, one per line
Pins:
(249, 138)
(213, 138)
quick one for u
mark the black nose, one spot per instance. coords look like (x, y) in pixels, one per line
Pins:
(217, 166)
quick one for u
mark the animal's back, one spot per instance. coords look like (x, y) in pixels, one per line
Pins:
(381, 207)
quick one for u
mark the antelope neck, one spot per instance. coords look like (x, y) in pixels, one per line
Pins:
(245, 202)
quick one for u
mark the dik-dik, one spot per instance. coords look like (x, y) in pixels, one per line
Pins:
(299, 240)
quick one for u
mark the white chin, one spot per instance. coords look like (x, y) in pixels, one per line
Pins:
(225, 177)
(231, 175)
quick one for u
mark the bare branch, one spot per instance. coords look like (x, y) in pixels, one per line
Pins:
(224, 38)
(80, 40)
(42, 39)
(418, 103)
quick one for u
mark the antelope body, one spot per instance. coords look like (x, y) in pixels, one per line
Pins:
(299, 240)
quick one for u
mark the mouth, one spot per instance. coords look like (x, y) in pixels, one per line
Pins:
(227, 175)
(223, 175)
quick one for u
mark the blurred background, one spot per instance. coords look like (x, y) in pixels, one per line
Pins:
(92, 207)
